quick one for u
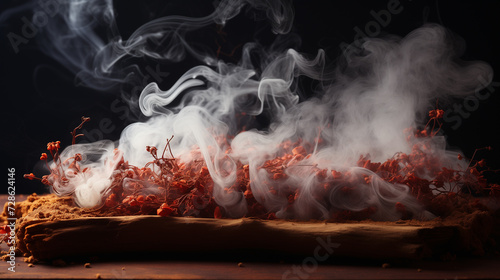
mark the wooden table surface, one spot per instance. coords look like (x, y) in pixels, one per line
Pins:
(458, 269)
(143, 267)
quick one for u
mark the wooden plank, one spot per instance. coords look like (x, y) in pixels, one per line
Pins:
(48, 240)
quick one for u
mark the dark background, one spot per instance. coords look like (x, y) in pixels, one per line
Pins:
(42, 102)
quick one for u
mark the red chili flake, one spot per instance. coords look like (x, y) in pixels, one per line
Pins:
(299, 157)
(248, 194)
(217, 213)
(45, 180)
(78, 157)
(50, 146)
(475, 172)
(5, 229)
(30, 176)
(164, 210)
(278, 176)
(204, 171)
(111, 201)
(299, 150)
(321, 174)
(134, 202)
(400, 207)
(128, 199)
(336, 174)
(368, 178)
(436, 114)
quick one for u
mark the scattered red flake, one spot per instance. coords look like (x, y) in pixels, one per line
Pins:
(164, 210)
(217, 213)
(30, 176)
(166, 186)
(299, 151)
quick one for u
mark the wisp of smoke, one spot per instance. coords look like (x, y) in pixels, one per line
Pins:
(361, 107)
(83, 36)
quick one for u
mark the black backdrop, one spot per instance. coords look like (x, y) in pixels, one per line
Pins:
(41, 101)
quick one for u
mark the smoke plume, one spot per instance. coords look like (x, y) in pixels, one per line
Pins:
(361, 107)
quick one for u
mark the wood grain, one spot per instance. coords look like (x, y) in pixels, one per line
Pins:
(47, 240)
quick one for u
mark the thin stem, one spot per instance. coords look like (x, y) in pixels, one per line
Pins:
(73, 133)
(474, 154)
(168, 145)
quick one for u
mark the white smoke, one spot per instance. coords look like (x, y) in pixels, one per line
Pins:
(359, 108)
(84, 37)
(90, 181)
